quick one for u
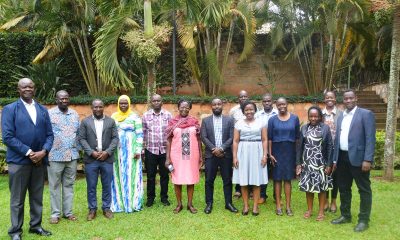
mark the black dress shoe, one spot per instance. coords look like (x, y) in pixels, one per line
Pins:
(341, 220)
(40, 231)
(231, 208)
(149, 203)
(165, 202)
(360, 227)
(16, 237)
(208, 209)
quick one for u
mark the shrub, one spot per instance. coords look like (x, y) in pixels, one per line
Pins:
(16, 49)
(2, 155)
(379, 150)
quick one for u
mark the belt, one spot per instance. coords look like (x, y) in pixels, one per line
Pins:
(250, 140)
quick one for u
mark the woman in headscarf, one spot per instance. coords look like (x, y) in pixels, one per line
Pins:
(184, 153)
(127, 184)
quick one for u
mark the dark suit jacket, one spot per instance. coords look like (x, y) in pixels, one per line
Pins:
(88, 139)
(208, 137)
(327, 145)
(20, 134)
(361, 137)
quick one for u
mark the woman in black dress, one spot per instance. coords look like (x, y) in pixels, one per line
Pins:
(314, 161)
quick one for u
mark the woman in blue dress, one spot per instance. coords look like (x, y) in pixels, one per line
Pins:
(283, 135)
(249, 150)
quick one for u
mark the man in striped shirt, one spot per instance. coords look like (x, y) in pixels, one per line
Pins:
(155, 121)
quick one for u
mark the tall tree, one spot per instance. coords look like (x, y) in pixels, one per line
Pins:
(393, 87)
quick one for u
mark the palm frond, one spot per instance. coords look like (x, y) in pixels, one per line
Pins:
(185, 35)
(192, 63)
(247, 16)
(345, 46)
(213, 13)
(54, 46)
(105, 53)
(131, 24)
(15, 22)
(300, 46)
(212, 62)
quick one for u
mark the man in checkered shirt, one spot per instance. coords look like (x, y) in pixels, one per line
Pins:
(155, 121)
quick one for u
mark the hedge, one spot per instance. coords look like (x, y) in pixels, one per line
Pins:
(19, 49)
(379, 150)
(16, 49)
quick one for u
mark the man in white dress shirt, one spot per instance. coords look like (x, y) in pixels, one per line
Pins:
(98, 136)
(353, 156)
(237, 114)
(28, 135)
(264, 115)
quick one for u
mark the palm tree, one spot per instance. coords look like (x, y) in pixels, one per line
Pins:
(201, 24)
(143, 41)
(71, 23)
(325, 37)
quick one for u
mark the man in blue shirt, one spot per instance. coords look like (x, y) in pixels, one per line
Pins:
(63, 158)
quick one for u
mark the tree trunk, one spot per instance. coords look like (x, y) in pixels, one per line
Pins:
(148, 20)
(391, 120)
(151, 80)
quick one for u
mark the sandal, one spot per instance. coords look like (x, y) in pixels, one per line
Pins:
(178, 209)
(307, 214)
(192, 209)
(71, 218)
(54, 220)
(289, 212)
(237, 195)
(333, 210)
(279, 212)
(320, 217)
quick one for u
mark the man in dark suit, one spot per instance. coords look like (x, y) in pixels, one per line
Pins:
(28, 135)
(98, 137)
(353, 157)
(217, 135)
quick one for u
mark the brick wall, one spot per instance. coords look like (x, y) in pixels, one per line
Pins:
(248, 74)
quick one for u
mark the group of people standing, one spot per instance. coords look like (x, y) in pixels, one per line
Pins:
(328, 152)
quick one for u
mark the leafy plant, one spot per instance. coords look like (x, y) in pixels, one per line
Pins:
(45, 76)
(3, 150)
(379, 150)
(272, 77)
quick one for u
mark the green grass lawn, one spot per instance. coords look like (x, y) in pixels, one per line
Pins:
(158, 222)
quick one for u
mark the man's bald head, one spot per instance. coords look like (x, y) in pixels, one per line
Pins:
(25, 81)
(243, 96)
(26, 89)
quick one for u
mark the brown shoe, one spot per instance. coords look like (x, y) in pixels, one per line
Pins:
(261, 200)
(108, 214)
(71, 217)
(91, 215)
(54, 220)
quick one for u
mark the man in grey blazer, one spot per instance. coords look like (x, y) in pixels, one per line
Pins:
(353, 157)
(217, 135)
(98, 137)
